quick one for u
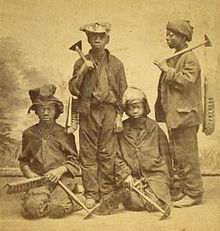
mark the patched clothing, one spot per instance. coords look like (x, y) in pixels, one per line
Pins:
(100, 93)
(179, 101)
(44, 149)
(51, 200)
(142, 148)
(83, 86)
(179, 105)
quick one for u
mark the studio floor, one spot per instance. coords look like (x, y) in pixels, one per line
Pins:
(201, 217)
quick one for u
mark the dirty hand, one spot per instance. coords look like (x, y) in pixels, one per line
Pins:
(129, 181)
(88, 65)
(161, 63)
(118, 126)
(55, 174)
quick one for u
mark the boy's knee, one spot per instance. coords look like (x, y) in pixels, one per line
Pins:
(35, 204)
(134, 202)
(59, 209)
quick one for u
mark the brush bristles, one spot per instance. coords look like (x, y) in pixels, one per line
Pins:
(21, 186)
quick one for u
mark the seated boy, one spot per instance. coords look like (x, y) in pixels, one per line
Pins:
(143, 148)
(48, 151)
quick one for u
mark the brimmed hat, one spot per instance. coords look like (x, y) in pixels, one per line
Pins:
(134, 95)
(96, 28)
(181, 27)
(44, 94)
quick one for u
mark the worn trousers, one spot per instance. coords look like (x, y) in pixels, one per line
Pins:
(184, 145)
(98, 144)
(42, 201)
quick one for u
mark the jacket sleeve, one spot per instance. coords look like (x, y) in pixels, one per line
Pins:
(76, 80)
(122, 88)
(71, 154)
(122, 170)
(188, 73)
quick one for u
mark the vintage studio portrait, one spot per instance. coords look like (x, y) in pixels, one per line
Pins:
(109, 115)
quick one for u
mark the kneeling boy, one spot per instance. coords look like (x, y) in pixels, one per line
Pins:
(48, 151)
(142, 154)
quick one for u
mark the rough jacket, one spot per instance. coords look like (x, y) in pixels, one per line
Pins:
(48, 149)
(179, 101)
(141, 155)
(82, 86)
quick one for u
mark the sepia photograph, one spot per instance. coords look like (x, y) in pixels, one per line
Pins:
(109, 115)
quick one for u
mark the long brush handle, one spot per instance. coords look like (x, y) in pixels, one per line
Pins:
(71, 194)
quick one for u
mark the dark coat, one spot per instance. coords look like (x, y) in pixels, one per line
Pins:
(142, 146)
(83, 86)
(179, 101)
(48, 149)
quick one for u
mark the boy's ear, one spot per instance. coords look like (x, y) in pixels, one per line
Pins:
(108, 39)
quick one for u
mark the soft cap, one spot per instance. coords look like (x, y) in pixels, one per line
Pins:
(96, 28)
(44, 94)
(181, 27)
(134, 95)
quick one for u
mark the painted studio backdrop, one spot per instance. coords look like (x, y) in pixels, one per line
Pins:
(34, 41)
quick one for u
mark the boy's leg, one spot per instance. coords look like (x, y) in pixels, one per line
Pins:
(134, 202)
(185, 146)
(88, 138)
(106, 151)
(60, 203)
(35, 203)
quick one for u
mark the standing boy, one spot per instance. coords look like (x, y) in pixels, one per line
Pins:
(99, 89)
(48, 151)
(179, 105)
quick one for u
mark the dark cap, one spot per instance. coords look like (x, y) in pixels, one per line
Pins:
(44, 94)
(181, 27)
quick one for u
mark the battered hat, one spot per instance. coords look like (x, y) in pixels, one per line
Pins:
(96, 28)
(44, 94)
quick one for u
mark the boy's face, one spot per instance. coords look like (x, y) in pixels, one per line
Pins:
(46, 112)
(135, 110)
(98, 41)
(175, 40)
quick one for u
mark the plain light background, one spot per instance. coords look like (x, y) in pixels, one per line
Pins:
(45, 29)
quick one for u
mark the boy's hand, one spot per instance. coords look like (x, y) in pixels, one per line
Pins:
(85, 67)
(161, 63)
(129, 181)
(55, 174)
(118, 126)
